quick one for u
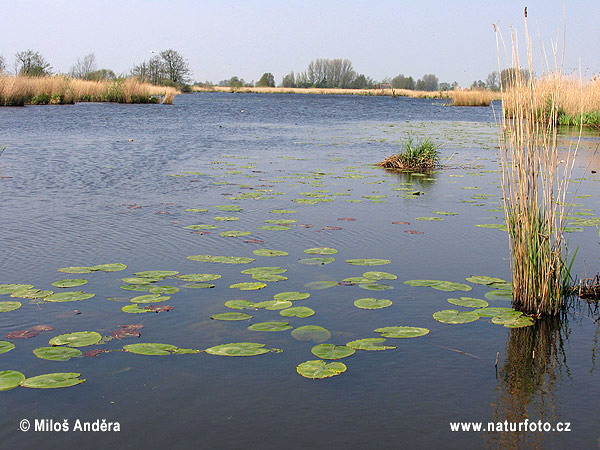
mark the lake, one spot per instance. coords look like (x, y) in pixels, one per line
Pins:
(93, 184)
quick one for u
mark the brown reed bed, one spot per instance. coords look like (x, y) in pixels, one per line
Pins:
(60, 90)
(462, 97)
(588, 288)
(534, 186)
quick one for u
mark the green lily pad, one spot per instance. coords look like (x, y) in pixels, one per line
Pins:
(402, 332)
(199, 285)
(512, 321)
(9, 306)
(134, 309)
(56, 353)
(185, 351)
(270, 326)
(499, 294)
(229, 208)
(283, 211)
(316, 261)
(53, 380)
(72, 296)
(321, 251)
(445, 213)
(273, 305)
(273, 228)
(221, 259)
(248, 286)
(452, 316)
(429, 219)
(31, 293)
(263, 270)
(267, 252)
(440, 285)
(468, 302)
(313, 333)
(156, 273)
(482, 279)
(163, 290)
(226, 218)
(6, 346)
(297, 311)
(135, 287)
(372, 303)
(202, 226)
(10, 288)
(330, 351)
(235, 233)
(76, 269)
(374, 275)
(291, 296)
(320, 369)
(370, 344)
(281, 221)
(499, 226)
(113, 267)
(69, 283)
(231, 316)
(139, 280)
(199, 277)
(368, 262)
(268, 277)
(150, 349)
(150, 298)
(357, 280)
(318, 285)
(375, 287)
(10, 379)
(238, 349)
(77, 339)
(239, 304)
(497, 312)
(196, 210)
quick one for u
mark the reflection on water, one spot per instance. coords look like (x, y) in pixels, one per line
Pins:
(535, 364)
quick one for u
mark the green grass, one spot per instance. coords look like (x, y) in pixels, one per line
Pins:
(416, 156)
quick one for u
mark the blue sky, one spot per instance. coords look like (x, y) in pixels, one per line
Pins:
(221, 38)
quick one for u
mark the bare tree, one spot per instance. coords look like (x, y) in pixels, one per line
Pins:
(176, 67)
(84, 67)
(31, 64)
(2, 65)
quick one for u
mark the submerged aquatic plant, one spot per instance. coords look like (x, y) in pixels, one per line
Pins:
(534, 185)
(416, 156)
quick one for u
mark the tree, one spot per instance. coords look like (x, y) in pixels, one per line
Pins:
(492, 82)
(289, 80)
(31, 64)
(83, 67)
(429, 82)
(511, 76)
(175, 66)
(477, 85)
(101, 75)
(267, 80)
(402, 82)
(2, 65)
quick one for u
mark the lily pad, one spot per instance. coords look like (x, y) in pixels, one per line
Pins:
(499, 294)
(273, 305)
(267, 252)
(235, 233)
(6, 346)
(77, 339)
(10, 288)
(53, 380)
(440, 285)
(430, 219)
(72, 296)
(202, 226)
(199, 277)
(163, 290)
(513, 321)
(10, 379)
(357, 280)
(402, 332)
(483, 279)
(281, 221)
(331, 351)
(239, 304)
(134, 309)
(452, 316)
(270, 326)
(370, 344)
(150, 349)
(445, 213)
(156, 273)
(283, 211)
(139, 280)
(374, 275)
(497, 312)
(297, 311)
(136, 287)
(150, 298)
(368, 262)
(221, 259)
(76, 269)
(264, 270)
(196, 210)
(468, 302)
(375, 287)
(199, 285)
(316, 261)
(372, 303)
(31, 293)
(273, 227)
(231, 316)
(56, 353)
(238, 349)
(228, 208)
(113, 267)
(291, 296)
(69, 283)
(9, 306)
(268, 277)
(320, 369)
(318, 285)
(248, 286)
(226, 218)
(321, 251)
(313, 333)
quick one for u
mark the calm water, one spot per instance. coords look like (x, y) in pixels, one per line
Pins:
(100, 183)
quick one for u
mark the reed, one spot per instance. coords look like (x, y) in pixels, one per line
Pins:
(417, 156)
(534, 184)
(19, 91)
(462, 97)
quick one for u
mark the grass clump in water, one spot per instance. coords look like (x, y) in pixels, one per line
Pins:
(418, 156)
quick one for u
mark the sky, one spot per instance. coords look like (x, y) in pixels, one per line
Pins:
(454, 40)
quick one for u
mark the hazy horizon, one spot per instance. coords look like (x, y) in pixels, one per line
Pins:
(452, 39)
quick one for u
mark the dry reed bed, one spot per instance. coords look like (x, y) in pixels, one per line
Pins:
(19, 91)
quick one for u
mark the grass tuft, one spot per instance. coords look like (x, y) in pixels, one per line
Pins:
(417, 156)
